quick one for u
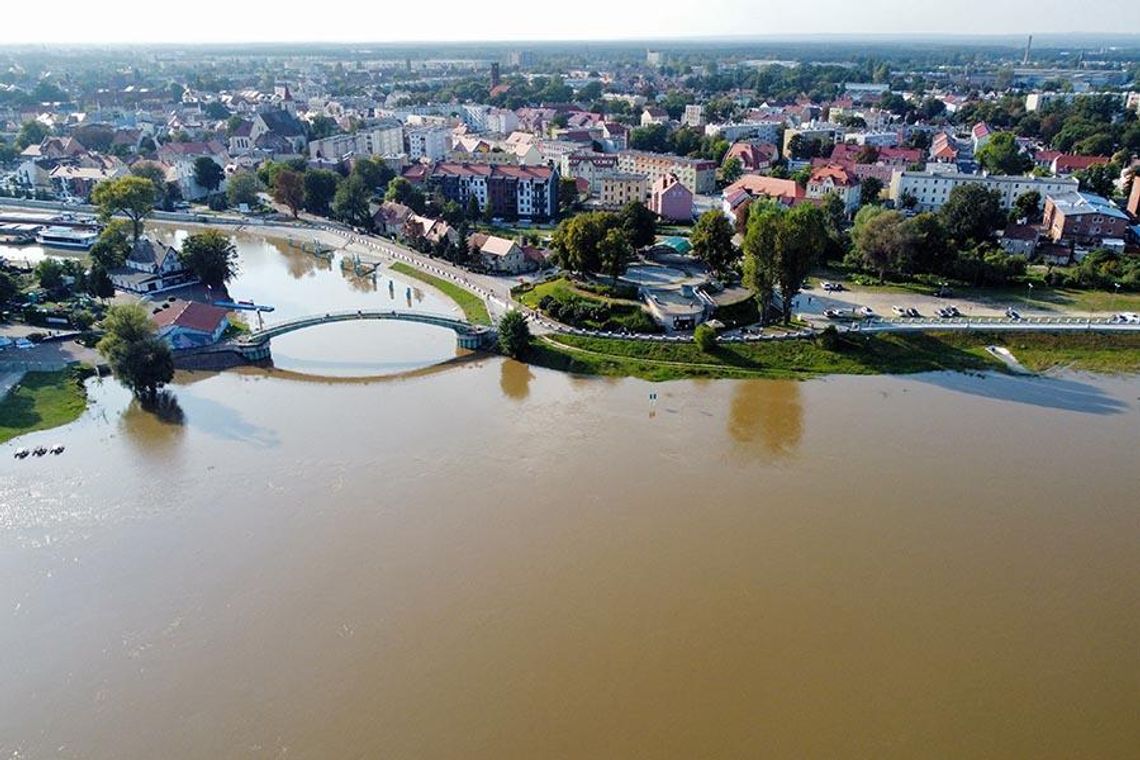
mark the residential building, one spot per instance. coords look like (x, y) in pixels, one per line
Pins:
(1083, 218)
(932, 189)
(670, 199)
(180, 159)
(189, 324)
(151, 267)
(1065, 164)
(618, 189)
(826, 134)
(276, 128)
(753, 156)
(694, 116)
(1020, 240)
(529, 192)
(654, 115)
(698, 175)
(1134, 197)
(767, 131)
(835, 180)
(499, 255)
(391, 218)
(431, 143)
(589, 166)
(737, 197)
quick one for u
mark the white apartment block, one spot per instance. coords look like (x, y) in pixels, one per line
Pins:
(764, 131)
(932, 189)
(432, 143)
(694, 116)
(385, 139)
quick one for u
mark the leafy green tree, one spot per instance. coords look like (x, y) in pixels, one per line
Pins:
(705, 338)
(1002, 155)
(972, 213)
(759, 275)
(654, 137)
(870, 190)
(576, 240)
(137, 357)
(289, 188)
(207, 173)
(1027, 206)
(31, 133)
(881, 241)
(638, 223)
(320, 189)
(375, 173)
(350, 204)
(131, 196)
(243, 188)
(113, 245)
(216, 111)
(404, 192)
(712, 241)
(514, 334)
(9, 287)
(157, 175)
(49, 274)
(732, 170)
(783, 248)
(930, 249)
(1099, 179)
(211, 256)
(614, 252)
(567, 194)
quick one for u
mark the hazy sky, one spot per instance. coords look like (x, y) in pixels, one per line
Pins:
(403, 20)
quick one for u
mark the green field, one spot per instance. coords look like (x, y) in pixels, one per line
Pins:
(42, 401)
(472, 305)
(854, 355)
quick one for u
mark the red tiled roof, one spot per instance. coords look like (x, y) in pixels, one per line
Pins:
(190, 315)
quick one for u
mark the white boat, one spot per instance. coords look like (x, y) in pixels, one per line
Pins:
(67, 237)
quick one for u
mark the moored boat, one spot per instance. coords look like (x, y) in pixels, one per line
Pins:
(75, 238)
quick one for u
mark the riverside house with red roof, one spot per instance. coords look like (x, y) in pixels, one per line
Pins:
(189, 324)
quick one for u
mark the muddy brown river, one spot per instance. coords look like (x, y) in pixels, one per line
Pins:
(486, 560)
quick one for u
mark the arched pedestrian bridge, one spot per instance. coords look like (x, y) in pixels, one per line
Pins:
(255, 345)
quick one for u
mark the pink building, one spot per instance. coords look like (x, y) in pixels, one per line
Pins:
(669, 199)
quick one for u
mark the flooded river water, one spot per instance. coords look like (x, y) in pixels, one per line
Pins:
(486, 560)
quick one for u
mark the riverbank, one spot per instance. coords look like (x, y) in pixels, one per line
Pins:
(472, 306)
(43, 400)
(895, 354)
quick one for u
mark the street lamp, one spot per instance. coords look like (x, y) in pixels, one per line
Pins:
(1030, 298)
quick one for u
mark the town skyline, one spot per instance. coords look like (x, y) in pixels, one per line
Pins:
(717, 19)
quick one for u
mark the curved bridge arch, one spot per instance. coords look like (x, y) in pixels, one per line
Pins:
(467, 335)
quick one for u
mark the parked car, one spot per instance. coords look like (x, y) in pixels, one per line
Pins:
(24, 343)
(899, 311)
(832, 313)
(913, 312)
(833, 287)
(866, 311)
(953, 311)
(1013, 313)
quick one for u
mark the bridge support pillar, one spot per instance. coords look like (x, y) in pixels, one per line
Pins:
(257, 353)
(470, 342)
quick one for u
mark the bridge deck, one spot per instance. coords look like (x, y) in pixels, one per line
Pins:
(459, 326)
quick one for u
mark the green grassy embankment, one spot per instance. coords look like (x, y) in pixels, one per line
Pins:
(472, 305)
(42, 401)
(895, 354)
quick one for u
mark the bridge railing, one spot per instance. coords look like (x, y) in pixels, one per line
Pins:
(299, 323)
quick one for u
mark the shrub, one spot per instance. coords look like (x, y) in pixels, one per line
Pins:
(705, 338)
(829, 339)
